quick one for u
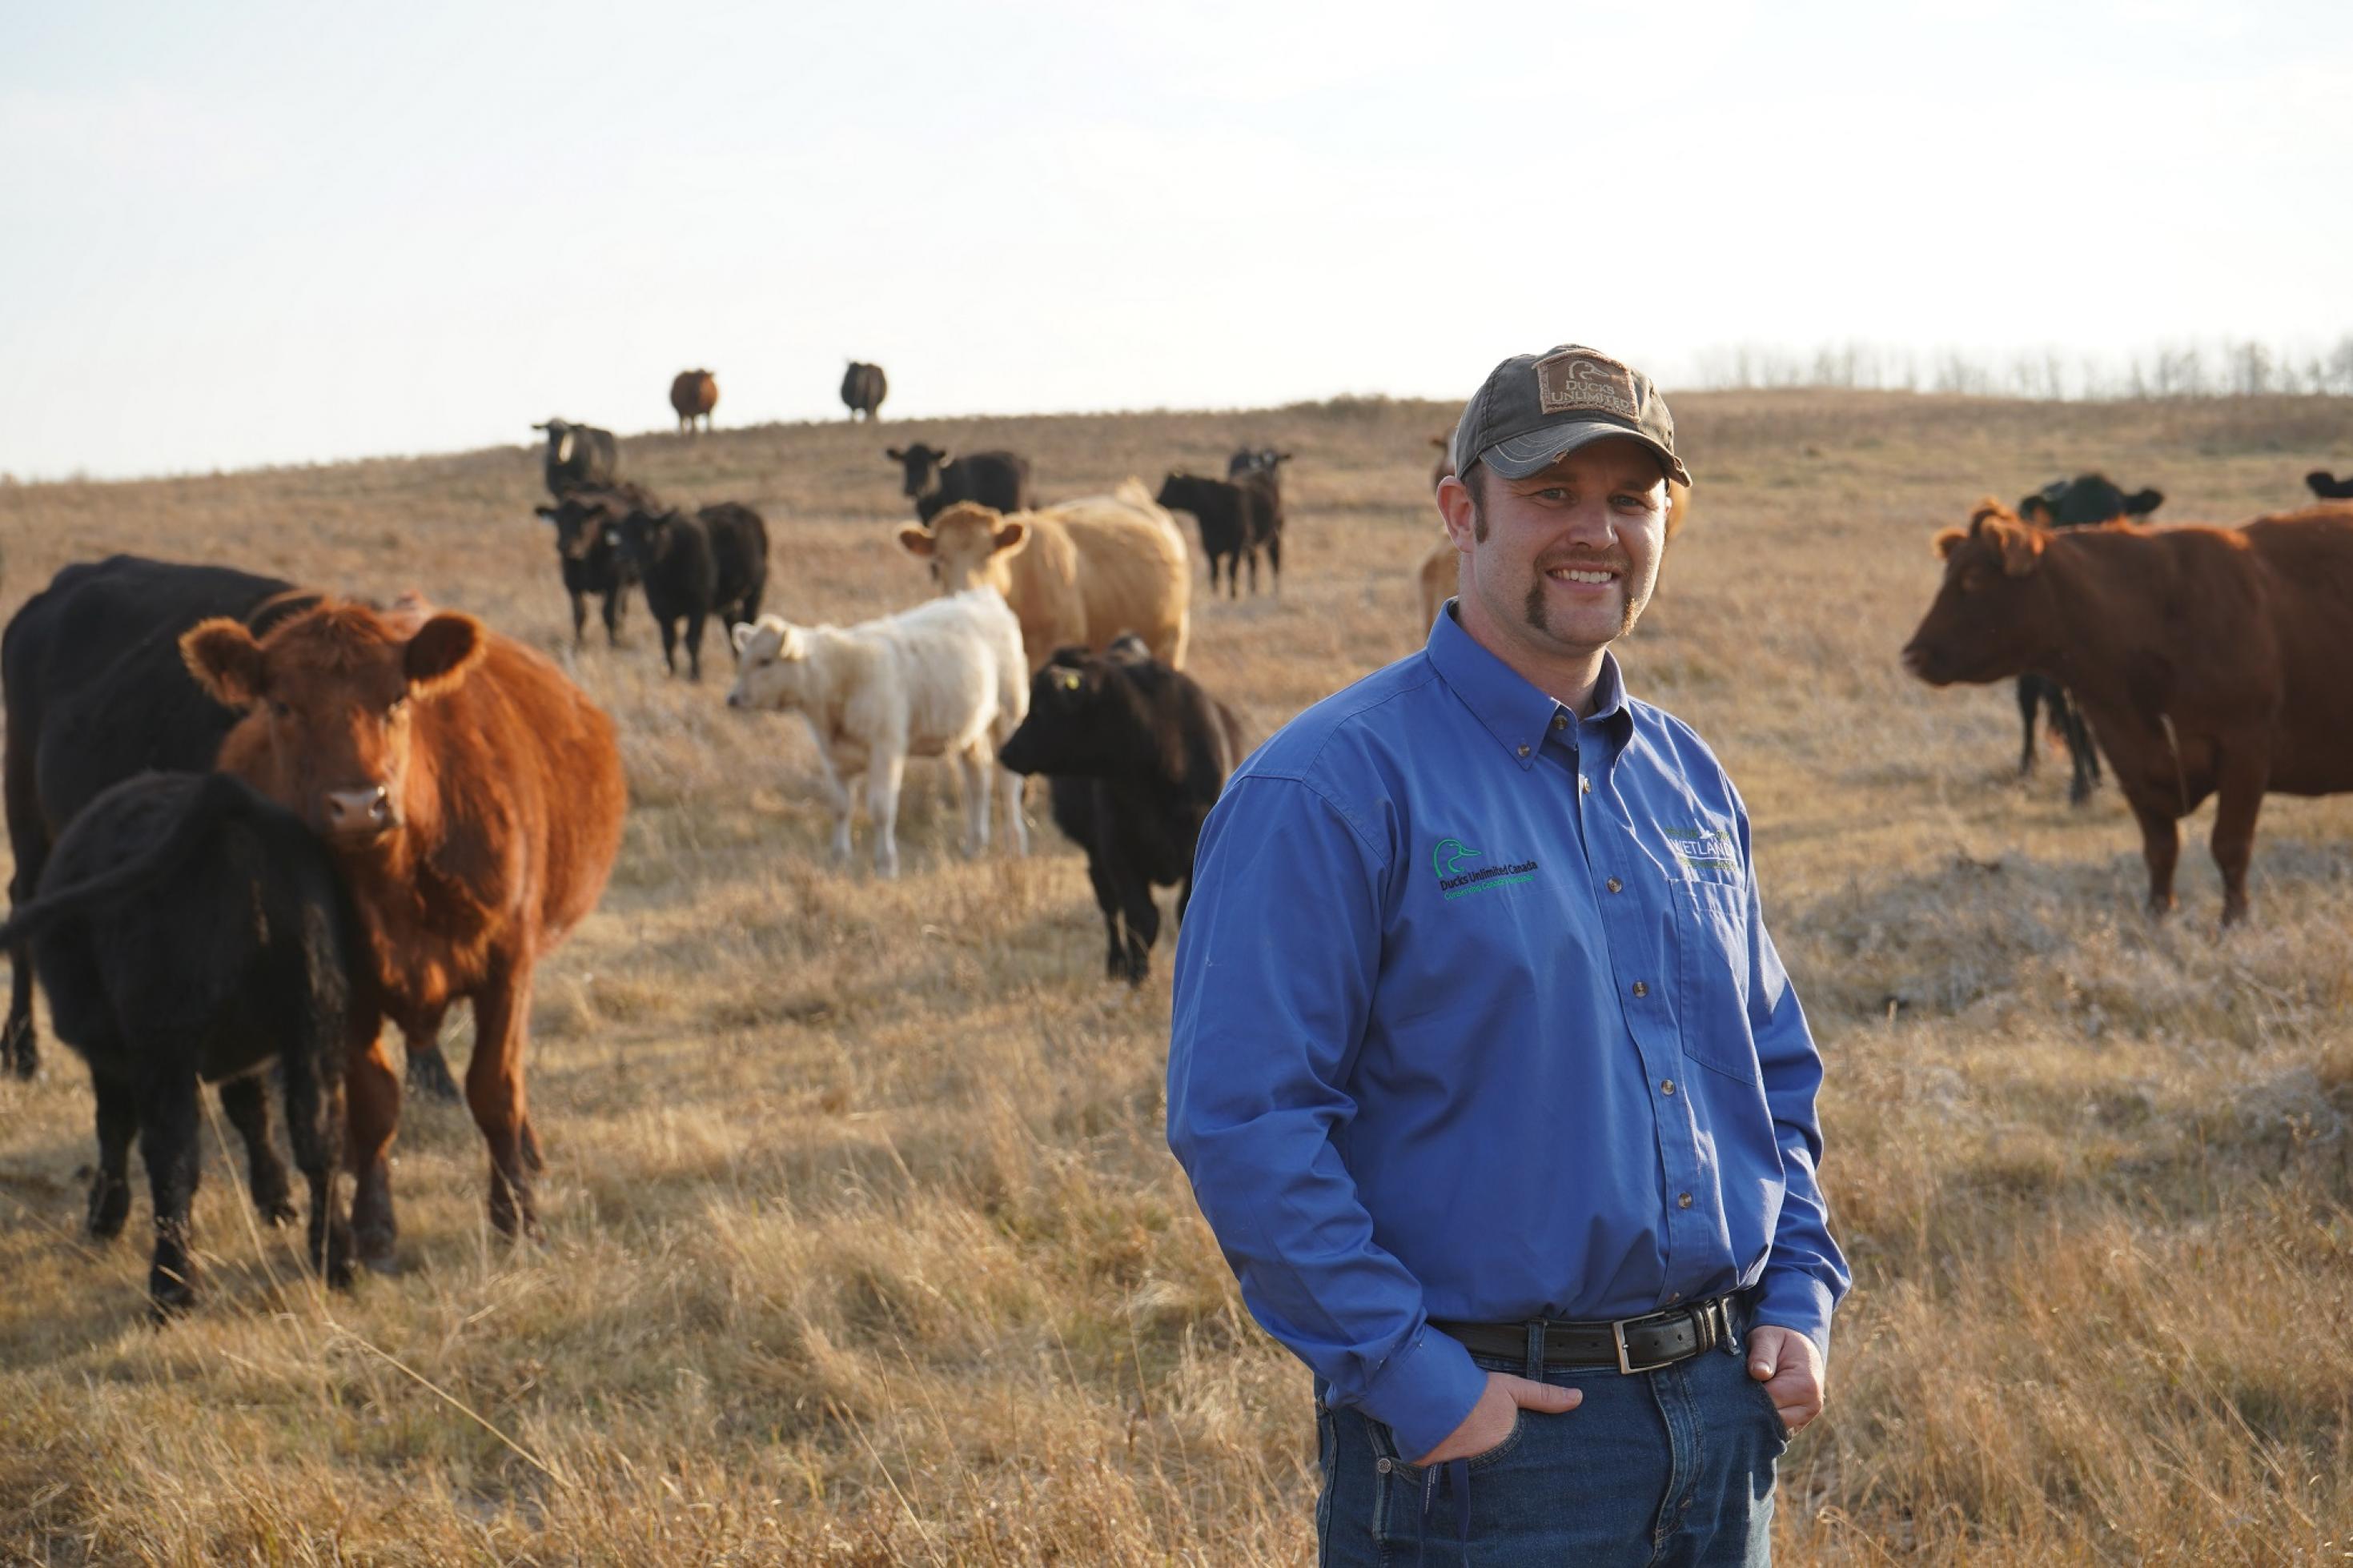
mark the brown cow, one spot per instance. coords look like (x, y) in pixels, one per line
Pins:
(473, 799)
(693, 393)
(2209, 660)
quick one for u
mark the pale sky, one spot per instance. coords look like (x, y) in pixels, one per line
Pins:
(248, 232)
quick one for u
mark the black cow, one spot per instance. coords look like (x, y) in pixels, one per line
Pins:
(579, 455)
(693, 566)
(2084, 501)
(863, 388)
(2328, 487)
(188, 930)
(935, 481)
(1238, 517)
(583, 522)
(1137, 753)
(97, 691)
(1261, 459)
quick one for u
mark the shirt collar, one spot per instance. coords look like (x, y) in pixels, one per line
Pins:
(1503, 700)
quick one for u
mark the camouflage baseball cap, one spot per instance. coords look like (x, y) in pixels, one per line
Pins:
(1535, 409)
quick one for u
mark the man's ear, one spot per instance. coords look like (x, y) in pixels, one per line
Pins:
(442, 653)
(225, 660)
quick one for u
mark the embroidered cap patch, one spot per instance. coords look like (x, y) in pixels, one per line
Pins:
(1583, 379)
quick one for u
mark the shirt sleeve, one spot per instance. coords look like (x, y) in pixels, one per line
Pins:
(1275, 971)
(1805, 1275)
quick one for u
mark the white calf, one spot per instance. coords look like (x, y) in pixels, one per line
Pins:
(944, 679)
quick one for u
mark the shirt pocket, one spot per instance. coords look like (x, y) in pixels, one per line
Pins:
(1711, 928)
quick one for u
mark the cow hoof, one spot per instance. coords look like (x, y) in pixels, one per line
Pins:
(275, 1211)
(376, 1250)
(533, 1160)
(109, 1205)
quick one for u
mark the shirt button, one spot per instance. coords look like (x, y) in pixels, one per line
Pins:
(1584, 784)
(1524, 750)
(1682, 1200)
(1560, 720)
(1614, 885)
(1668, 1087)
(1640, 989)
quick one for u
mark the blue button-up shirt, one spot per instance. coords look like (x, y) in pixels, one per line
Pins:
(1476, 1019)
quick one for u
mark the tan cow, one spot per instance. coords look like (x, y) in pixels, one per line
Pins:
(1076, 574)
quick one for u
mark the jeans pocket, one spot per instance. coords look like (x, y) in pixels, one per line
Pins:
(1386, 1443)
(1781, 1433)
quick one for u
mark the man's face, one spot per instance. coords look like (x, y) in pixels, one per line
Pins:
(1560, 564)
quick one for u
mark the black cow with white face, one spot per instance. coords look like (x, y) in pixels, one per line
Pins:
(1137, 753)
(578, 457)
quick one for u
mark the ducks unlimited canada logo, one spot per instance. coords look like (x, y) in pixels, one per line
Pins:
(1452, 861)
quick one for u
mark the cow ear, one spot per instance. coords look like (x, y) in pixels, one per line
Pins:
(1011, 535)
(917, 541)
(442, 653)
(546, 513)
(791, 644)
(225, 660)
(2021, 548)
(895, 455)
(1952, 539)
(742, 635)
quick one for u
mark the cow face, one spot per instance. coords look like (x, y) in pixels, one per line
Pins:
(772, 669)
(331, 699)
(1065, 733)
(968, 546)
(643, 537)
(922, 466)
(579, 528)
(1991, 617)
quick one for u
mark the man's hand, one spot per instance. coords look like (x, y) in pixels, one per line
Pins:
(1490, 1421)
(1789, 1367)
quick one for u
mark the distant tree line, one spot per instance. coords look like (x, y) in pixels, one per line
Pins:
(2243, 368)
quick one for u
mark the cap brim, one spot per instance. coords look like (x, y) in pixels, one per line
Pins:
(1519, 456)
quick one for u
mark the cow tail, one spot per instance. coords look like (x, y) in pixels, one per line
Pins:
(218, 800)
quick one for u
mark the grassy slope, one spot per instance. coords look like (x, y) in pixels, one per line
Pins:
(862, 1239)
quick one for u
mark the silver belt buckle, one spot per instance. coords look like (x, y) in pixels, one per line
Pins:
(1618, 1333)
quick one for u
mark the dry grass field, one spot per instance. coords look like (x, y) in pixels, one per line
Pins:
(863, 1245)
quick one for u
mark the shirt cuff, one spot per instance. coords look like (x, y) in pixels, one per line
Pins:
(1791, 1298)
(1424, 1393)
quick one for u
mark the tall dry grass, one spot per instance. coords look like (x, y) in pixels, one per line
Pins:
(863, 1244)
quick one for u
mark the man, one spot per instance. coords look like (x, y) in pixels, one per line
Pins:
(1485, 1072)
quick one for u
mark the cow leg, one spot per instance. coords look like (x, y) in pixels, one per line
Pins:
(579, 619)
(973, 783)
(19, 1051)
(1017, 829)
(118, 1125)
(167, 1143)
(670, 644)
(2241, 780)
(1275, 564)
(884, 771)
(694, 643)
(429, 1068)
(494, 1091)
(313, 1081)
(246, 1100)
(371, 1102)
(2030, 698)
(616, 604)
(1141, 915)
(2083, 757)
(2160, 846)
(1107, 900)
(843, 797)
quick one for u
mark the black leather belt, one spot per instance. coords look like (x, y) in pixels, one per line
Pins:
(1630, 1344)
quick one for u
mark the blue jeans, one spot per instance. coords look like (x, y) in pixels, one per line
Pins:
(1666, 1468)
